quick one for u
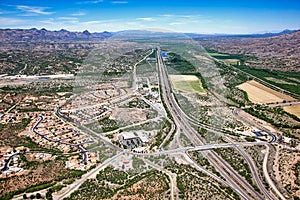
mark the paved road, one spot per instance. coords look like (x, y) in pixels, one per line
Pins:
(105, 140)
(11, 108)
(80, 148)
(253, 171)
(249, 122)
(134, 86)
(74, 186)
(173, 128)
(204, 147)
(171, 175)
(266, 173)
(284, 104)
(232, 182)
(182, 122)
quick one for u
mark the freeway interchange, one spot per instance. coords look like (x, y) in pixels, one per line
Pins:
(182, 122)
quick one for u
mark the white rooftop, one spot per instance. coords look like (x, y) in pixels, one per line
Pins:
(139, 149)
(128, 135)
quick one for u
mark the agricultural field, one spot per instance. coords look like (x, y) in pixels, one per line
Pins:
(280, 81)
(295, 110)
(259, 93)
(231, 61)
(277, 77)
(218, 54)
(287, 80)
(233, 58)
(187, 83)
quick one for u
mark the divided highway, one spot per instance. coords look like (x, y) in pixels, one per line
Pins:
(235, 180)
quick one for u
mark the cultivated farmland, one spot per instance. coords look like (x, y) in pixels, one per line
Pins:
(259, 93)
(187, 83)
(295, 110)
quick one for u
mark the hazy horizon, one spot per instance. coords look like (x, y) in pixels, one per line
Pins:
(218, 17)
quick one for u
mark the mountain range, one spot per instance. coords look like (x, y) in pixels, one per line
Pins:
(35, 35)
(254, 35)
(280, 52)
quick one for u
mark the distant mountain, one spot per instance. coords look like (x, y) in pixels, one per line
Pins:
(35, 35)
(281, 52)
(265, 34)
(255, 35)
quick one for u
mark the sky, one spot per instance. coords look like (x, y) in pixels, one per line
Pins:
(188, 16)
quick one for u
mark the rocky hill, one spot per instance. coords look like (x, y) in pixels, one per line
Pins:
(278, 52)
(35, 35)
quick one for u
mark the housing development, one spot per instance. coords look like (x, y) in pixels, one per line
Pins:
(145, 115)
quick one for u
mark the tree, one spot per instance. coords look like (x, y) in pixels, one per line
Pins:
(38, 196)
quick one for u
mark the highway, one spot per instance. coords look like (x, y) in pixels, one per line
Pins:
(204, 147)
(167, 96)
(253, 171)
(182, 122)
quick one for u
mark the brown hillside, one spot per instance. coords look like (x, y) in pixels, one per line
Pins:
(279, 52)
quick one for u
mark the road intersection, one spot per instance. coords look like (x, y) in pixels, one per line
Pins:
(183, 122)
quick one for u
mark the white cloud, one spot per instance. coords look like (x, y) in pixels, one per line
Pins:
(4, 21)
(132, 23)
(90, 2)
(166, 15)
(147, 19)
(119, 2)
(175, 23)
(47, 21)
(33, 10)
(91, 22)
(78, 14)
(69, 19)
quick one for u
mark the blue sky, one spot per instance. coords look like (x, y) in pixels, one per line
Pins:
(197, 16)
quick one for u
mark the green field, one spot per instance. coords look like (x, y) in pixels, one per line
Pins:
(187, 83)
(286, 80)
(228, 58)
(231, 61)
(280, 81)
(218, 54)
